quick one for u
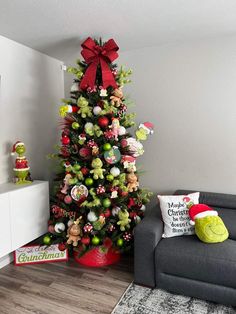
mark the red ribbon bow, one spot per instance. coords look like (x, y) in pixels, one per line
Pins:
(94, 55)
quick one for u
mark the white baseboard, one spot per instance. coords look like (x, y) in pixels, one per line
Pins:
(5, 260)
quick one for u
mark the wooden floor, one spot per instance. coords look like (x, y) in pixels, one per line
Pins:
(63, 288)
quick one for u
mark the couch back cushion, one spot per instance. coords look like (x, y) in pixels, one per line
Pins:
(225, 204)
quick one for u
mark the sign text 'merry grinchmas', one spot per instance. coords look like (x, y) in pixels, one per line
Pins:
(180, 218)
(36, 254)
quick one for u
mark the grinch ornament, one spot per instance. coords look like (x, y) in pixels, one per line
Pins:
(79, 192)
(113, 155)
(123, 220)
(144, 130)
(21, 170)
(97, 170)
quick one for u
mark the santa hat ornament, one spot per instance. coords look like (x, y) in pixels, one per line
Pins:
(198, 210)
(147, 126)
(15, 146)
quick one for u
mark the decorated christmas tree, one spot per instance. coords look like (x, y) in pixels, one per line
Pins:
(97, 200)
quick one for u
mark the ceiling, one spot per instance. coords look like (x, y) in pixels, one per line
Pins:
(57, 27)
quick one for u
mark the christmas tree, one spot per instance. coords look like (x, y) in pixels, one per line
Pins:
(97, 200)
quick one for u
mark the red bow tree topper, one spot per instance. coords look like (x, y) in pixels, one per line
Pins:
(94, 55)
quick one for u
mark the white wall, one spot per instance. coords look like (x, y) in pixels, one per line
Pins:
(31, 87)
(188, 90)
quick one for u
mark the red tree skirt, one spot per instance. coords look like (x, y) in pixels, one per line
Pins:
(96, 257)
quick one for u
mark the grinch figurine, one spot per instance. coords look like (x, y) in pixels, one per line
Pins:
(21, 169)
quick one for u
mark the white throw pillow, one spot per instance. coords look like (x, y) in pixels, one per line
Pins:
(175, 214)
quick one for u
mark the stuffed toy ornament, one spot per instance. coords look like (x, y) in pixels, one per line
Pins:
(97, 169)
(123, 220)
(209, 227)
(74, 233)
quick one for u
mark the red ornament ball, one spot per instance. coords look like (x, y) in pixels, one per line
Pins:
(123, 193)
(85, 152)
(65, 152)
(107, 213)
(51, 228)
(103, 122)
(68, 199)
(61, 246)
(84, 171)
(132, 214)
(65, 140)
(85, 240)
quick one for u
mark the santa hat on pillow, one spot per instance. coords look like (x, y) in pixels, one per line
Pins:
(147, 126)
(198, 210)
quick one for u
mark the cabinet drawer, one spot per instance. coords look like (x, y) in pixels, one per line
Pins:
(29, 212)
(5, 230)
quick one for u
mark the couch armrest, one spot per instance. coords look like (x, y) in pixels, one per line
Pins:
(147, 234)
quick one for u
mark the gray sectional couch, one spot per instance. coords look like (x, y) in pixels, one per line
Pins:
(185, 265)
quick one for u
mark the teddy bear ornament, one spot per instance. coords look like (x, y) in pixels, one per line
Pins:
(21, 169)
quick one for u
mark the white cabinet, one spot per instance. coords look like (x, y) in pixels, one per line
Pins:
(24, 212)
(5, 229)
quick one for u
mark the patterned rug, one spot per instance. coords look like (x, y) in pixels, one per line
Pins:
(140, 300)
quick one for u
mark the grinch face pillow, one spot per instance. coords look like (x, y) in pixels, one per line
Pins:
(209, 227)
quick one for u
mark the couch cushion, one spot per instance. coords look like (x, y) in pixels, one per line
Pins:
(228, 215)
(190, 258)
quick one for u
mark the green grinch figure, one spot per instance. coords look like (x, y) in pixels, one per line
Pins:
(209, 227)
(21, 170)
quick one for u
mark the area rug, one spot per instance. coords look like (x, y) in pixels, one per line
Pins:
(141, 300)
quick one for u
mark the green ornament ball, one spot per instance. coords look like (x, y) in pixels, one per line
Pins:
(77, 167)
(95, 240)
(120, 242)
(47, 240)
(89, 181)
(106, 202)
(110, 177)
(106, 146)
(75, 125)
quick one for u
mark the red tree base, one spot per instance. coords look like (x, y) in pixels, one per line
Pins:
(96, 257)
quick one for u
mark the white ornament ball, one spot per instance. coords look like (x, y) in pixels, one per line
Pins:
(115, 171)
(74, 87)
(92, 216)
(70, 222)
(59, 227)
(122, 130)
(137, 219)
(143, 208)
(115, 210)
(88, 125)
(97, 110)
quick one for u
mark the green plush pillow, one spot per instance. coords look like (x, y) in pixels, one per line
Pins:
(211, 229)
